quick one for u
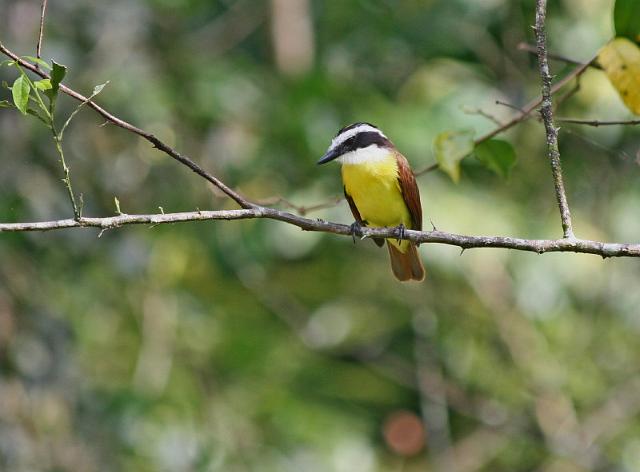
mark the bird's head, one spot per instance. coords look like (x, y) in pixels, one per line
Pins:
(352, 138)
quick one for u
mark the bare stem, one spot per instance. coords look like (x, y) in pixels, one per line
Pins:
(546, 110)
(426, 170)
(39, 45)
(597, 123)
(67, 176)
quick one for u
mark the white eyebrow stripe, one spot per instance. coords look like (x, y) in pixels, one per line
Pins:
(342, 137)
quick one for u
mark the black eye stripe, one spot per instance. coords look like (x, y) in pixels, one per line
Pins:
(363, 140)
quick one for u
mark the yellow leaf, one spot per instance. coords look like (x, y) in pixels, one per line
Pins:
(620, 59)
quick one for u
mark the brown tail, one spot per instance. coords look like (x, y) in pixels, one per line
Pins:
(407, 266)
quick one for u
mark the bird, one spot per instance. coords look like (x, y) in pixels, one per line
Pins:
(381, 190)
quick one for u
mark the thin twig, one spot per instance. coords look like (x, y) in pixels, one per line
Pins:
(43, 10)
(546, 110)
(58, 137)
(156, 142)
(599, 146)
(597, 123)
(570, 93)
(558, 57)
(67, 174)
(96, 91)
(301, 209)
(511, 106)
(426, 170)
(539, 246)
(525, 112)
(482, 113)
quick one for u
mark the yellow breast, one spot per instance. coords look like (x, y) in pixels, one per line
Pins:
(375, 190)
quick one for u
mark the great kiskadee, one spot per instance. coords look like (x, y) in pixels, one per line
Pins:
(381, 190)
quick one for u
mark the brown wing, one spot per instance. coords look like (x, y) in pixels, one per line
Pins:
(410, 192)
(352, 206)
(356, 215)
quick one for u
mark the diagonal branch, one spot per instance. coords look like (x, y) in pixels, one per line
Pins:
(539, 246)
(525, 112)
(157, 143)
(546, 110)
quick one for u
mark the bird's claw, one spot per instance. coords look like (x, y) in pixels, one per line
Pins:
(356, 230)
(401, 232)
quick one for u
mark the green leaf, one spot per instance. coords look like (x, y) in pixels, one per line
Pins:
(7, 62)
(497, 155)
(98, 88)
(44, 84)
(57, 75)
(5, 104)
(20, 91)
(37, 61)
(450, 147)
(626, 19)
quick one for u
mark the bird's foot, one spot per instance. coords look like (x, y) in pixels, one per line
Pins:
(401, 232)
(356, 230)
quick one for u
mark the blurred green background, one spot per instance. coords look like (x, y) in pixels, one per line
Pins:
(252, 346)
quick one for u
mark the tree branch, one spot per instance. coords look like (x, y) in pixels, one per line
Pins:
(597, 123)
(111, 222)
(546, 110)
(43, 10)
(525, 112)
(539, 246)
(156, 142)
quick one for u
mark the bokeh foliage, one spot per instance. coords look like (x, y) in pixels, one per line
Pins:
(254, 346)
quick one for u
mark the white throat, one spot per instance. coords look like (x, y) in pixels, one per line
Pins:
(368, 155)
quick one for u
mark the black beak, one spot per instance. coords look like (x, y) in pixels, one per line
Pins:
(329, 156)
